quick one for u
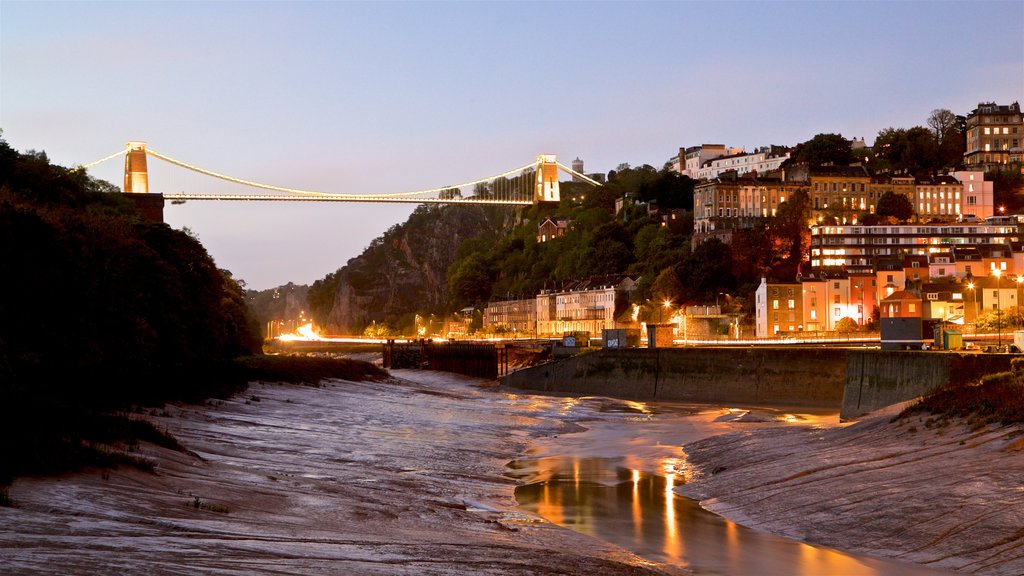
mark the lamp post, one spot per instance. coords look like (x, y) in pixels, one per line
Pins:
(974, 296)
(999, 328)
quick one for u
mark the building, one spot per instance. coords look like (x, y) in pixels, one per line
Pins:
(577, 166)
(860, 247)
(732, 203)
(977, 197)
(901, 324)
(764, 160)
(778, 307)
(994, 134)
(694, 157)
(514, 316)
(552, 227)
(938, 198)
(589, 305)
(840, 193)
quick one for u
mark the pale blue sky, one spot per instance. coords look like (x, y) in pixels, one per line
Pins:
(390, 97)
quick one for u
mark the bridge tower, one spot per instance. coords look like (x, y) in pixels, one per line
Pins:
(136, 175)
(136, 183)
(547, 179)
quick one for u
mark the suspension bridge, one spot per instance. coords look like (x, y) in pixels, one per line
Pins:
(537, 181)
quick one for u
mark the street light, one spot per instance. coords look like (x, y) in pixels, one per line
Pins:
(974, 296)
(999, 331)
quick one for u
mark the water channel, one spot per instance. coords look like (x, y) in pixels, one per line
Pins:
(603, 485)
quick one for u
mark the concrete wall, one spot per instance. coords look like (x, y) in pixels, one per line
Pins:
(853, 381)
(764, 376)
(876, 379)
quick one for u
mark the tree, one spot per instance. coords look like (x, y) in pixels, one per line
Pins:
(790, 236)
(822, 150)
(846, 325)
(896, 205)
(941, 121)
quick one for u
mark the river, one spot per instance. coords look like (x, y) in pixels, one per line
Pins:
(431, 474)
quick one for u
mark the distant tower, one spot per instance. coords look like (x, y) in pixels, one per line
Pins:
(577, 166)
(547, 179)
(136, 176)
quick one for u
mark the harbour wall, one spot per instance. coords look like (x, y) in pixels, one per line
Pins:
(853, 381)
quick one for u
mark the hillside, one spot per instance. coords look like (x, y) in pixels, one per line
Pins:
(447, 258)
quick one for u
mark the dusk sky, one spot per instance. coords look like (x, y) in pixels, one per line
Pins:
(355, 97)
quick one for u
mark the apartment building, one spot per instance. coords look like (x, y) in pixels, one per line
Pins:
(859, 247)
(994, 136)
(587, 305)
(778, 307)
(515, 316)
(765, 160)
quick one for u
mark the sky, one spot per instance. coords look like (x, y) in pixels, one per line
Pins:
(378, 97)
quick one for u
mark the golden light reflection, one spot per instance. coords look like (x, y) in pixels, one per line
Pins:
(638, 406)
(550, 507)
(304, 332)
(638, 514)
(672, 542)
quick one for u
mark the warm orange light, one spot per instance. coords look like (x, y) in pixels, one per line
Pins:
(667, 304)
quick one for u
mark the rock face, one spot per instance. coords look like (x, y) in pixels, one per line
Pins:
(404, 271)
(945, 496)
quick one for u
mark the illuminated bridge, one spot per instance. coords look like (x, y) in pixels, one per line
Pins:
(521, 186)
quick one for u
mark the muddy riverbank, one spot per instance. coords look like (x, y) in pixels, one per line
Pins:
(352, 478)
(945, 496)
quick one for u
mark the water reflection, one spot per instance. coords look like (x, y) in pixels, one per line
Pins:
(639, 511)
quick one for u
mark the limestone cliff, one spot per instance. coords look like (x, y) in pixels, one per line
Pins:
(403, 271)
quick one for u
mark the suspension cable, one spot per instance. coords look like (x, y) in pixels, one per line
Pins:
(250, 183)
(577, 174)
(101, 160)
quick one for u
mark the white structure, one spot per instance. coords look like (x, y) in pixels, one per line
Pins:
(581, 306)
(762, 161)
(977, 197)
(777, 308)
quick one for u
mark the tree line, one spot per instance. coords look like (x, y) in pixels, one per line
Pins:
(100, 308)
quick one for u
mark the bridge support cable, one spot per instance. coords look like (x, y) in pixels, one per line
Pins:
(583, 177)
(120, 152)
(446, 194)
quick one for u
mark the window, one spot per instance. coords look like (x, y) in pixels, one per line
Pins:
(911, 307)
(838, 312)
(837, 299)
(792, 303)
(775, 304)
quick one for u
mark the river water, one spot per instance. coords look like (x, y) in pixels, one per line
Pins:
(615, 481)
(431, 474)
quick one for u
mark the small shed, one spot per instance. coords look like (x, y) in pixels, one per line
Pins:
(901, 321)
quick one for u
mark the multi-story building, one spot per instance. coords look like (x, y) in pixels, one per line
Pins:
(840, 192)
(778, 307)
(977, 197)
(692, 158)
(994, 136)
(859, 247)
(939, 198)
(764, 160)
(582, 306)
(518, 316)
(726, 204)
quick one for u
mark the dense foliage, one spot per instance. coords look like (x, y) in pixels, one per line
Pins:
(100, 308)
(649, 238)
